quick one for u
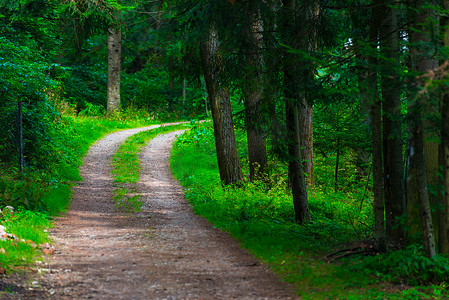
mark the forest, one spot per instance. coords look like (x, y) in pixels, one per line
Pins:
(325, 145)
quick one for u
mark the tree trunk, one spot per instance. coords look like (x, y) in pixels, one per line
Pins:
(443, 238)
(295, 166)
(220, 102)
(206, 111)
(376, 126)
(394, 185)
(253, 87)
(114, 68)
(293, 96)
(306, 136)
(419, 104)
(309, 12)
(417, 146)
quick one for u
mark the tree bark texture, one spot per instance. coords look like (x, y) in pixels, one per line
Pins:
(203, 82)
(419, 155)
(114, 68)
(306, 136)
(394, 185)
(293, 95)
(443, 240)
(443, 237)
(220, 103)
(376, 126)
(308, 20)
(253, 88)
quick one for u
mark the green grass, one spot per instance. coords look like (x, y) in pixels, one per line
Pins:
(126, 167)
(29, 227)
(40, 193)
(260, 215)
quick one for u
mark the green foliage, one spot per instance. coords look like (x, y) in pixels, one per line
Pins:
(48, 188)
(146, 88)
(260, 215)
(340, 124)
(24, 191)
(58, 152)
(92, 110)
(29, 227)
(409, 265)
(86, 84)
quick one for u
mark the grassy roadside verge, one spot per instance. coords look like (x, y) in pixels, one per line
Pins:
(125, 167)
(261, 218)
(37, 196)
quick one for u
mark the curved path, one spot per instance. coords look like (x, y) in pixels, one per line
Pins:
(164, 252)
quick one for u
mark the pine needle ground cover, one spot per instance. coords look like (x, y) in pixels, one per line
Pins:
(260, 216)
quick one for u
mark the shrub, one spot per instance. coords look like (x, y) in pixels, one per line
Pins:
(409, 265)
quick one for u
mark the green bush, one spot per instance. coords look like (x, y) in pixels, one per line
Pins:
(259, 210)
(260, 215)
(409, 265)
(58, 145)
(86, 84)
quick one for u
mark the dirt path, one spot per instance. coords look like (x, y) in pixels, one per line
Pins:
(164, 252)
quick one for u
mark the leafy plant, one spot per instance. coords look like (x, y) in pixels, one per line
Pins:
(409, 265)
(29, 229)
(260, 216)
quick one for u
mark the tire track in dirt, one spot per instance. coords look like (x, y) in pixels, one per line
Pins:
(163, 252)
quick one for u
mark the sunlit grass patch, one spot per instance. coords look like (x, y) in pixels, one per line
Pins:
(261, 216)
(39, 193)
(29, 229)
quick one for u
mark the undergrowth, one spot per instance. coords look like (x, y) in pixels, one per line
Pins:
(44, 188)
(260, 215)
(29, 229)
(409, 266)
(125, 171)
